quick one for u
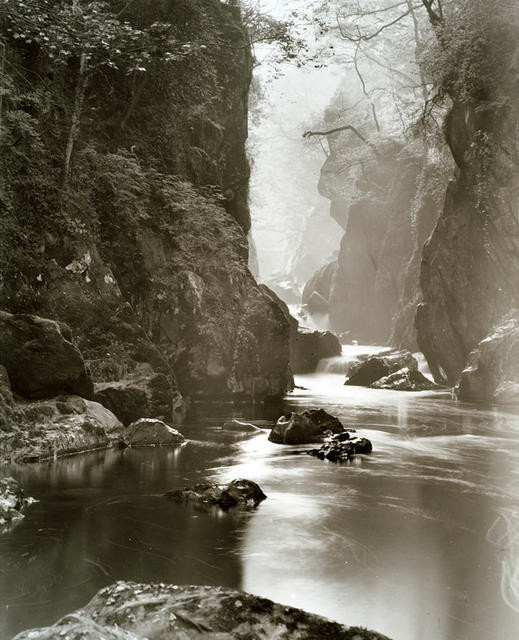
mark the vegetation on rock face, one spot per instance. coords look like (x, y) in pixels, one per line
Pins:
(456, 61)
(124, 184)
(469, 275)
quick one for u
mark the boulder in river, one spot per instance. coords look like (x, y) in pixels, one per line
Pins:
(40, 358)
(341, 447)
(309, 426)
(242, 494)
(12, 502)
(310, 346)
(368, 371)
(132, 611)
(142, 394)
(405, 379)
(149, 432)
(492, 372)
(63, 425)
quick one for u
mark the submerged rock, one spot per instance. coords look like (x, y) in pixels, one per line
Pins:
(131, 611)
(62, 425)
(240, 425)
(12, 502)
(492, 372)
(149, 432)
(309, 426)
(405, 379)
(342, 447)
(40, 358)
(368, 371)
(243, 494)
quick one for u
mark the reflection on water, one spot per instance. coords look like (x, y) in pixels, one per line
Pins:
(420, 540)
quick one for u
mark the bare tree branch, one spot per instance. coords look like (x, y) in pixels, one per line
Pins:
(345, 127)
(361, 37)
(364, 90)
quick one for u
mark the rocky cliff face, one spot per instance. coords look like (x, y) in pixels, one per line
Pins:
(142, 250)
(387, 210)
(470, 266)
(492, 371)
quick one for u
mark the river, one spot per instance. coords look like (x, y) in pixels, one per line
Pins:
(419, 540)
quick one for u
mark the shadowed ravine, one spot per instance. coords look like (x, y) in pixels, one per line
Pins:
(418, 540)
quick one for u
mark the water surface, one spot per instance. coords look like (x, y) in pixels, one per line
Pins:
(419, 541)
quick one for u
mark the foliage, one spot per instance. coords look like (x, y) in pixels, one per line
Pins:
(64, 30)
(475, 39)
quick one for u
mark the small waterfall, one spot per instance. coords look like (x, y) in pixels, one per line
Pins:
(350, 353)
(422, 365)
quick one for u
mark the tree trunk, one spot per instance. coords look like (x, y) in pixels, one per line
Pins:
(75, 120)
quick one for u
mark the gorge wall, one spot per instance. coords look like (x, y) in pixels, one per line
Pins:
(140, 244)
(387, 208)
(470, 266)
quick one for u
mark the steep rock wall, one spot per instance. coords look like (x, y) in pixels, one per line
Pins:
(470, 266)
(143, 251)
(387, 210)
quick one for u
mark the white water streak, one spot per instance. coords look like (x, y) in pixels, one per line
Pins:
(504, 533)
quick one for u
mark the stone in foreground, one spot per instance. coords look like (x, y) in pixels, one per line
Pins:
(340, 448)
(492, 372)
(309, 426)
(40, 358)
(365, 373)
(243, 494)
(150, 432)
(405, 379)
(131, 611)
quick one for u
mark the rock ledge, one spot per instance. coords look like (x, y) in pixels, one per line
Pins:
(130, 611)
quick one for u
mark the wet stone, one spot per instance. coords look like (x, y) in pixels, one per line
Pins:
(241, 494)
(341, 447)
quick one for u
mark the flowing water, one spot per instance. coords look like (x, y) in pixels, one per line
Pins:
(419, 540)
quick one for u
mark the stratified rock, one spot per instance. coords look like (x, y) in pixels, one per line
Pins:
(12, 502)
(131, 611)
(492, 373)
(62, 425)
(39, 357)
(309, 426)
(310, 347)
(405, 379)
(149, 432)
(141, 394)
(243, 494)
(365, 373)
(341, 447)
